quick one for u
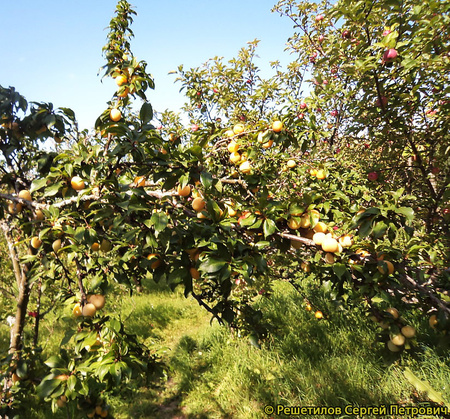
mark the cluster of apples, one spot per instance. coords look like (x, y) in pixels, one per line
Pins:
(400, 333)
(241, 159)
(94, 303)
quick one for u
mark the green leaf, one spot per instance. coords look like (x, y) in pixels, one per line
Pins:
(53, 190)
(339, 269)
(250, 220)
(47, 387)
(38, 184)
(269, 227)
(206, 179)
(425, 387)
(54, 362)
(365, 228)
(159, 221)
(146, 113)
(379, 229)
(406, 211)
(212, 265)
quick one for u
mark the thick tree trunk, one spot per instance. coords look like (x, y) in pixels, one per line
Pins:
(21, 312)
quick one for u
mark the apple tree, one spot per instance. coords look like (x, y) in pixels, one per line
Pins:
(335, 169)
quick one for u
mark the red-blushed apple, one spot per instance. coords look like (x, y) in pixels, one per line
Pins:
(199, 93)
(319, 18)
(372, 176)
(321, 38)
(381, 103)
(435, 170)
(390, 55)
(215, 90)
(303, 105)
(386, 32)
(301, 116)
(334, 113)
(325, 82)
(194, 127)
(346, 34)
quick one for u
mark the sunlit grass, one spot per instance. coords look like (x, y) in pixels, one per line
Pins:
(213, 373)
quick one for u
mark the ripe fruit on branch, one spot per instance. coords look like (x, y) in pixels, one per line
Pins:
(346, 34)
(25, 194)
(115, 114)
(433, 321)
(198, 204)
(267, 144)
(233, 146)
(318, 315)
(98, 300)
(381, 103)
(38, 215)
(277, 126)
(305, 222)
(319, 18)
(408, 332)
(124, 92)
(14, 208)
(390, 268)
(105, 246)
(56, 245)
(320, 174)
(121, 80)
(293, 224)
(291, 164)
(390, 55)
(36, 242)
(392, 347)
(139, 181)
(77, 311)
(319, 238)
(398, 340)
(238, 129)
(156, 261)
(185, 191)
(77, 183)
(372, 176)
(329, 258)
(393, 312)
(306, 267)
(235, 157)
(95, 247)
(89, 310)
(345, 241)
(330, 245)
(245, 167)
(320, 227)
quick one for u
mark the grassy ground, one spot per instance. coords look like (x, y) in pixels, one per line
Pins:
(305, 362)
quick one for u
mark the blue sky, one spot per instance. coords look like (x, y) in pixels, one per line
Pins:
(51, 50)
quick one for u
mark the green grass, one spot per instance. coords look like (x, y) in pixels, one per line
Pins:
(304, 361)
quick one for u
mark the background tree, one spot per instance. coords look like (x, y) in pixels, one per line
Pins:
(343, 180)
